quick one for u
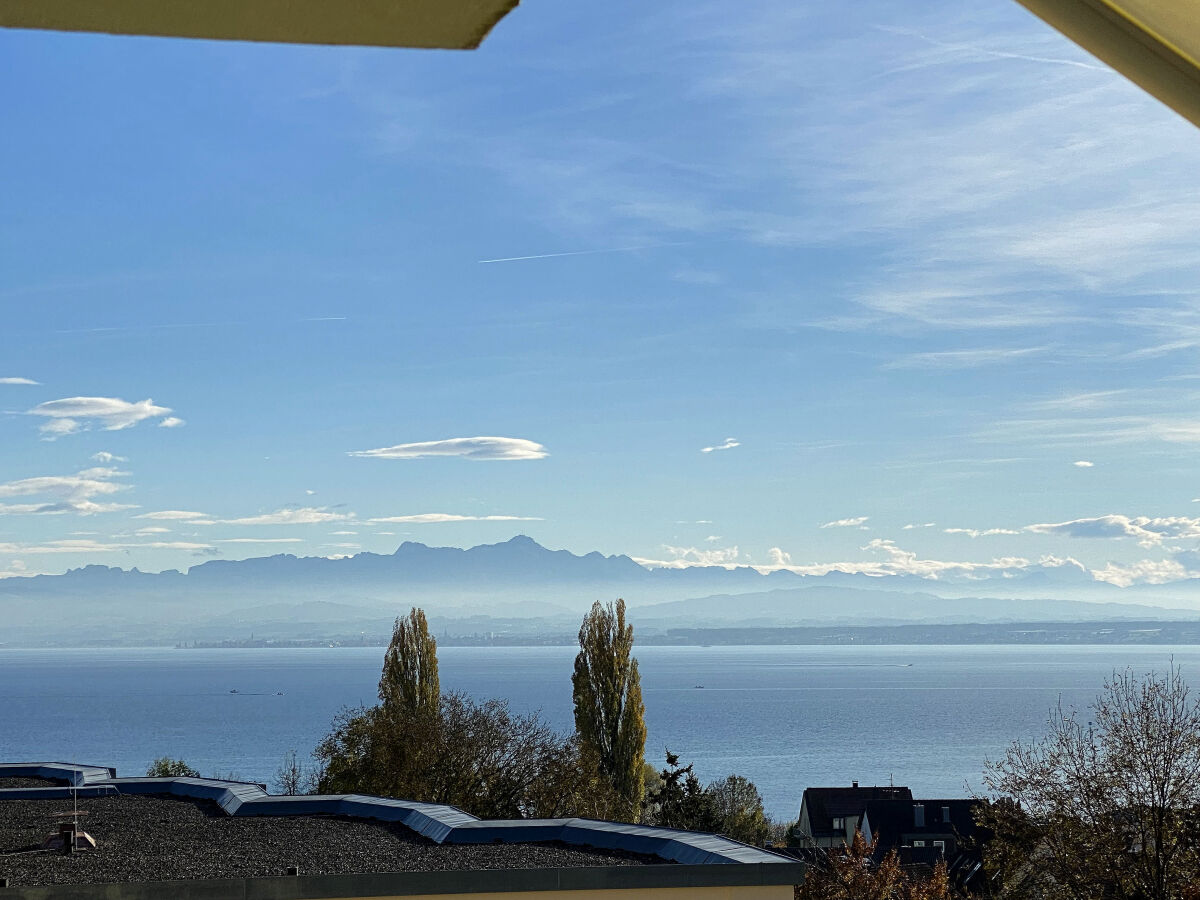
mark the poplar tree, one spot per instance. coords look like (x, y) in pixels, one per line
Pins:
(409, 682)
(609, 714)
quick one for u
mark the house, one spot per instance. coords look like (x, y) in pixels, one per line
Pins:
(922, 831)
(830, 816)
(203, 838)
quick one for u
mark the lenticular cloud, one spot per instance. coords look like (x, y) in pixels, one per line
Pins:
(468, 448)
(72, 414)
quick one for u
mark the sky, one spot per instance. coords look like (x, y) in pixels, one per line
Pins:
(896, 287)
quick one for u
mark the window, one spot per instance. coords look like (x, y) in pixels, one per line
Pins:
(839, 824)
(918, 843)
(945, 814)
(939, 846)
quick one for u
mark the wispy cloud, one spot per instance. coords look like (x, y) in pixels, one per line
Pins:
(73, 414)
(305, 515)
(489, 448)
(1083, 464)
(14, 380)
(178, 515)
(890, 560)
(980, 532)
(689, 557)
(65, 493)
(1148, 531)
(846, 523)
(86, 546)
(1074, 431)
(964, 359)
(578, 253)
(728, 444)
(252, 540)
(105, 457)
(969, 50)
(1146, 571)
(432, 518)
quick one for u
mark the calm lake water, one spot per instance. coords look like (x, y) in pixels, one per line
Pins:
(785, 717)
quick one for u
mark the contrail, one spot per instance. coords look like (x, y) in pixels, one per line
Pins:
(181, 325)
(581, 252)
(972, 48)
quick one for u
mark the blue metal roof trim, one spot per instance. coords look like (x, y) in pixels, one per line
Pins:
(74, 775)
(680, 846)
(508, 831)
(438, 822)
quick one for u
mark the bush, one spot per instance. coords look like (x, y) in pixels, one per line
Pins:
(165, 767)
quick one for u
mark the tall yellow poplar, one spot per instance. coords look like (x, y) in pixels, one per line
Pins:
(410, 669)
(609, 714)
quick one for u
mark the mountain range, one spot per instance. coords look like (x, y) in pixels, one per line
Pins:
(520, 581)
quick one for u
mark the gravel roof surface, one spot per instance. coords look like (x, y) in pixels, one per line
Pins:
(7, 782)
(161, 838)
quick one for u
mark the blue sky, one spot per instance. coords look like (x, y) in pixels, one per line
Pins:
(923, 277)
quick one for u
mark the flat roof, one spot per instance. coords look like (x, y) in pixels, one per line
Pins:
(161, 837)
(444, 24)
(199, 833)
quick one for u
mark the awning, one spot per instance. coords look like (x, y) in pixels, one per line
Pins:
(447, 24)
(1153, 43)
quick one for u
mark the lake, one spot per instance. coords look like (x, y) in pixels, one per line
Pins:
(785, 717)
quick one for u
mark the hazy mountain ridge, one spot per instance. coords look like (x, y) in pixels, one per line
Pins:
(518, 580)
(835, 606)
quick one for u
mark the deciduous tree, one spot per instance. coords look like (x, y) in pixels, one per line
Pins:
(165, 767)
(410, 668)
(739, 809)
(418, 744)
(851, 873)
(609, 714)
(293, 776)
(1103, 806)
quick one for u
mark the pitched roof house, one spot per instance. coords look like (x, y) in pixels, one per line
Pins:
(921, 831)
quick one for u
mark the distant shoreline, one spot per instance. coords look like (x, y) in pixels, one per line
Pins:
(1101, 633)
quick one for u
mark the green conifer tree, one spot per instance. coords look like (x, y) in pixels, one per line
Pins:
(609, 714)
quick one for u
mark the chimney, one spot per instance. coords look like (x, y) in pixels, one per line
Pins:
(854, 784)
(66, 831)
